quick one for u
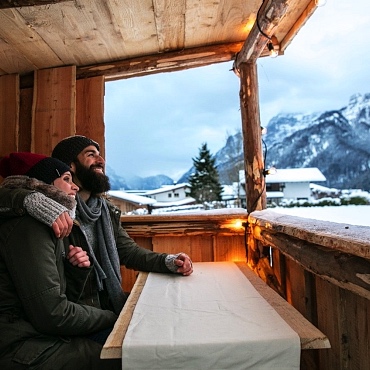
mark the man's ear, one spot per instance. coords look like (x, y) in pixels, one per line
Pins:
(73, 167)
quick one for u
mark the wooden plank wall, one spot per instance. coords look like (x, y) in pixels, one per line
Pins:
(343, 316)
(90, 110)
(201, 248)
(54, 107)
(37, 118)
(9, 114)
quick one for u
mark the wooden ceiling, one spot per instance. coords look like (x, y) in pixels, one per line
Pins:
(125, 38)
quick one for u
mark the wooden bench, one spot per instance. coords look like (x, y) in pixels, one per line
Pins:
(310, 336)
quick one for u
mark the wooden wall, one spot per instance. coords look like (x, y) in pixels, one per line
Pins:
(204, 238)
(56, 106)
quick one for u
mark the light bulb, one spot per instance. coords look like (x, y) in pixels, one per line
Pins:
(273, 53)
(320, 2)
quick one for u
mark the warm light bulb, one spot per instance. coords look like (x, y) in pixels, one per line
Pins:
(272, 51)
(270, 171)
(320, 2)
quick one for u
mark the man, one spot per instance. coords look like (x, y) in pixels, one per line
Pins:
(108, 242)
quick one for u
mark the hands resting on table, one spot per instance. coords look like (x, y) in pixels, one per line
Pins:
(184, 264)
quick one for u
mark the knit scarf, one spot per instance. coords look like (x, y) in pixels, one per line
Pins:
(94, 216)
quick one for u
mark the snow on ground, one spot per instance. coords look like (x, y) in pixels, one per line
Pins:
(353, 215)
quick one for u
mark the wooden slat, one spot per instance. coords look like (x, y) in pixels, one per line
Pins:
(54, 107)
(200, 248)
(18, 3)
(31, 51)
(113, 345)
(310, 336)
(9, 114)
(217, 19)
(90, 110)
(165, 17)
(25, 120)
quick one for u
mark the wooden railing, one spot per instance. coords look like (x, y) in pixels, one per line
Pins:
(320, 268)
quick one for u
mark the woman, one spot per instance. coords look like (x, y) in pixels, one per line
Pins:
(42, 323)
(38, 178)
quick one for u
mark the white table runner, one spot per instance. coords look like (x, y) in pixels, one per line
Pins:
(213, 319)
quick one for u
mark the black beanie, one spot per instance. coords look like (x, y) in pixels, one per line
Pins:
(34, 165)
(69, 148)
(48, 170)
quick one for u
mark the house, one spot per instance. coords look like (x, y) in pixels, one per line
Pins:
(145, 201)
(288, 184)
(130, 203)
(171, 196)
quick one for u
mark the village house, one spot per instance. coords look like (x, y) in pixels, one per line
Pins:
(130, 203)
(287, 184)
(173, 196)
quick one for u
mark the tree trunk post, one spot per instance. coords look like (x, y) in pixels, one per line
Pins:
(251, 128)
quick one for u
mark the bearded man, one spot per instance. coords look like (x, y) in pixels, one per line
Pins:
(108, 242)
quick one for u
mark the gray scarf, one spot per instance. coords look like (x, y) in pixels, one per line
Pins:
(94, 215)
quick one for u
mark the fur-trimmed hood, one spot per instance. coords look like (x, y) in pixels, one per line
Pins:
(52, 192)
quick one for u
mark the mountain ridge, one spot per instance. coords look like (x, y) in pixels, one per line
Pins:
(335, 141)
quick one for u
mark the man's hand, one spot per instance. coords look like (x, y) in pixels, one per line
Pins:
(185, 266)
(62, 226)
(78, 257)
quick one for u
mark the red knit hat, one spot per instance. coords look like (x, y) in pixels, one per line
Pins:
(39, 166)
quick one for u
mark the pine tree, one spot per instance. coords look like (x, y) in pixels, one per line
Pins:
(204, 182)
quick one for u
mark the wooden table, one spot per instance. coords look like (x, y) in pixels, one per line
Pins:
(310, 337)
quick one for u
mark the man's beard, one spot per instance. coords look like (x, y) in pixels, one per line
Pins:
(90, 180)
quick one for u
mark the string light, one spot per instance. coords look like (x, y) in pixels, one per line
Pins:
(272, 51)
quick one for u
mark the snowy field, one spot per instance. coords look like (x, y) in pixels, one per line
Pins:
(353, 215)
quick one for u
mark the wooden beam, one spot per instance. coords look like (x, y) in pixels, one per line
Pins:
(254, 166)
(166, 62)
(344, 270)
(6, 4)
(268, 18)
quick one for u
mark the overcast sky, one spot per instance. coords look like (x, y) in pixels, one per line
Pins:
(156, 124)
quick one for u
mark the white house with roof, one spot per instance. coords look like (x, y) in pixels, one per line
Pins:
(289, 184)
(129, 202)
(165, 196)
(171, 195)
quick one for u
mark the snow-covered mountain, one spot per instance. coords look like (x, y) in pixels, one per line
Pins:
(337, 142)
(135, 182)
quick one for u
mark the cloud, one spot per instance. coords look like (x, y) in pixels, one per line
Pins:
(156, 124)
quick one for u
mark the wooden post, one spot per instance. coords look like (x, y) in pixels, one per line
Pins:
(9, 114)
(54, 107)
(90, 110)
(253, 158)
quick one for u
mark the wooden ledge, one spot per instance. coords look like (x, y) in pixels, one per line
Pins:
(310, 336)
(113, 345)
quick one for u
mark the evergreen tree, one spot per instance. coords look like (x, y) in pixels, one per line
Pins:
(204, 182)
